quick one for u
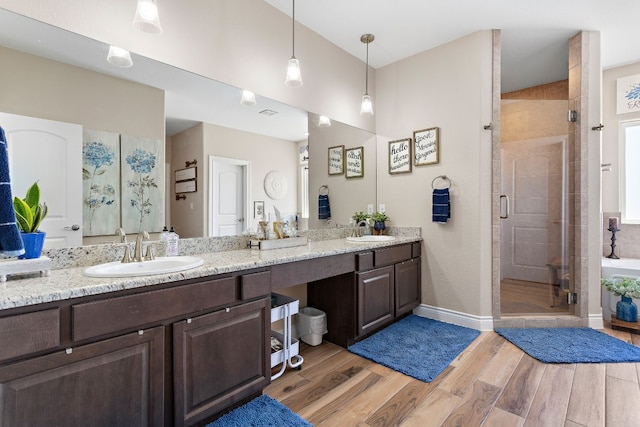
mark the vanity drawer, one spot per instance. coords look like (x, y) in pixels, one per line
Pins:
(255, 285)
(29, 333)
(392, 255)
(97, 318)
(364, 261)
(416, 250)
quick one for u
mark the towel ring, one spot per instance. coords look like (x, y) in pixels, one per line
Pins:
(325, 188)
(444, 178)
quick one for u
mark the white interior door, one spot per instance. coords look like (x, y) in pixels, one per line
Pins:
(532, 178)
(228, 207)
(49, 152)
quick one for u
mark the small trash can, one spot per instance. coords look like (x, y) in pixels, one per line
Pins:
(311, 324)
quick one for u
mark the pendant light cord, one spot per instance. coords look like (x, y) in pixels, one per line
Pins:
(293, 30)
(366, 73)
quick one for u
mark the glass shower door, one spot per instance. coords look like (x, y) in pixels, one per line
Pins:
(534, 227)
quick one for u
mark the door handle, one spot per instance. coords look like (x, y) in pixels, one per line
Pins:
(74, 227)
(241, 220)
(506, 210)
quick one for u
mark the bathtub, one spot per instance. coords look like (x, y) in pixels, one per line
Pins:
(614, 268)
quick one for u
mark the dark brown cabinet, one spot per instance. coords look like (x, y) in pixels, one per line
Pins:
(407, 286)
(115, 382)
(219, 359)
(375, 298)
(385, 286)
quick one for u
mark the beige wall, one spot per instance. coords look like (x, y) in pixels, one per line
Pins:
(190, 216)
(346, 195)
(32, 86)
(449, 87)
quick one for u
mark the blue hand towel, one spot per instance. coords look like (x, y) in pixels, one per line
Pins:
(324, 210)
(441, 210)
(10, 239)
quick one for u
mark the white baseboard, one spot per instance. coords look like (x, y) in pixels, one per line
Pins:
(482, 323)
(596, 321)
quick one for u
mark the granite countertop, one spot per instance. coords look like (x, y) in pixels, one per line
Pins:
(70, 283)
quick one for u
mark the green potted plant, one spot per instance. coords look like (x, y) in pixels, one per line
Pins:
(627, 288)
(29, 215)
(358, 217)
(379, 219)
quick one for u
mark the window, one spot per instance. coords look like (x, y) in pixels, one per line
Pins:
(304, 190)
(630, 171)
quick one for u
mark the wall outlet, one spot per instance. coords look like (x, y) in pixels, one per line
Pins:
(382, 208)
(369, 209)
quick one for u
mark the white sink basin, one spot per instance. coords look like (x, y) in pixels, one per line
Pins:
(160, 265)
(370, 239)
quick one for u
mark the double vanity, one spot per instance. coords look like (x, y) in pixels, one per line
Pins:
(179, 348)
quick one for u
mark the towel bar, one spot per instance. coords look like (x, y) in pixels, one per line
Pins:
(444, 178)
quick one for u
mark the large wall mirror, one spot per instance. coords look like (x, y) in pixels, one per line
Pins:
(61, 76)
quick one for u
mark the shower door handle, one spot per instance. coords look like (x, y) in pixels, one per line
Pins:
(506, 209)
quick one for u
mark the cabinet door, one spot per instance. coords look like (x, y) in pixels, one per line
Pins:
(116, 382)
(408, 293)
(219, 359)
(375, 299)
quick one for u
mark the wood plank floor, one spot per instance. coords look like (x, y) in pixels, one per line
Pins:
(492, 383)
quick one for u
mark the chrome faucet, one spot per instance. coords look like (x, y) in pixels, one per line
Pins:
(332, 224)
(137, 252)
(123, 236)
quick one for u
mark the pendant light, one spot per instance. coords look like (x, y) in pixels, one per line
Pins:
(324, 122)
(294, 77)
(248, 98)
(147, 18)
(119, 57)
(367, 106)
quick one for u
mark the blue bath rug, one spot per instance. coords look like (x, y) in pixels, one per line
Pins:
(416, 346)
(571, 345)
(261, 411)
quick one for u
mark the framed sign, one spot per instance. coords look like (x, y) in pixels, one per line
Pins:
(336, 160)
(186, 174)
(186, 187)
(355, 162)
(426, 147)
(400, 156)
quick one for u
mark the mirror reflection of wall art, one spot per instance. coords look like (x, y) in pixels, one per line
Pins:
(186, 174)
(190, 186)
(275, 185)
(336, 160)
(400, 156)
(142, 184)
(355, 162)
(101, 182)
(628, 94)
(426, 146)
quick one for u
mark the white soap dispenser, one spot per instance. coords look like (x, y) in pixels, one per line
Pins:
(172, 243)
(164, 237)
